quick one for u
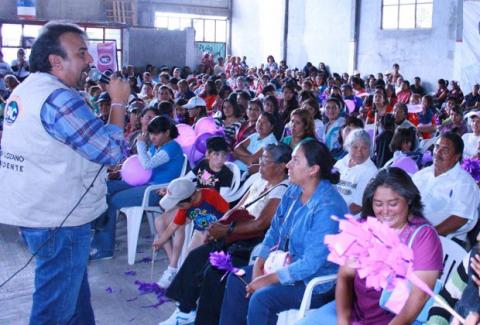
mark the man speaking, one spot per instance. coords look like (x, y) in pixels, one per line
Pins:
(53, 150)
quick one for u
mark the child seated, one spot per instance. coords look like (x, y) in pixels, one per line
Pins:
(202, 206)
(212, 172)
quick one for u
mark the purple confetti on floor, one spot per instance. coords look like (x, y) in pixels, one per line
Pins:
(131, 320)
(132, 299)
(146, 288)
(132, 273)
(145, 260)
(109, 290)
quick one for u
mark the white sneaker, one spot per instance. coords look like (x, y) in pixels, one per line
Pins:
(166, 278)
(179, 318)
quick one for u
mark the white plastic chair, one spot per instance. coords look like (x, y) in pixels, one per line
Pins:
(234, 187)
(453, 255)
(293, 315)
(186, 243)
(427, 143)
(134, 216)
(244, 188)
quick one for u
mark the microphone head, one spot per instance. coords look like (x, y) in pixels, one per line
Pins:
(95, 75)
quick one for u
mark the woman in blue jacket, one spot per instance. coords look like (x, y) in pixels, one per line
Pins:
(298, 227)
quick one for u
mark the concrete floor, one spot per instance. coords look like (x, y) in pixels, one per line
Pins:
(109, 308)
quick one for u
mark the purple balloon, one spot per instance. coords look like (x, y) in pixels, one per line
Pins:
(407, 164)
(427, 157)
(201, 142)
(133, 172)
(195, 156)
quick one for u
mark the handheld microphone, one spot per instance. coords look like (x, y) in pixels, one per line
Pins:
(95, 75)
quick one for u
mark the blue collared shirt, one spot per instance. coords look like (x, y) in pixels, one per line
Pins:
(66, 117)
(305, 228)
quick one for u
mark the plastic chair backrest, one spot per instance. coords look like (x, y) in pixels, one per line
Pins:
(244, 188)
(236, 176)
(453, 255)
(184, 166)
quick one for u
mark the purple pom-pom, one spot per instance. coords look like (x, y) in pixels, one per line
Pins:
(222, 261)
(472, 166)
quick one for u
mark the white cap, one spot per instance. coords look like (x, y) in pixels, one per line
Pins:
(473, 114)
(178, 190)
(194, 102)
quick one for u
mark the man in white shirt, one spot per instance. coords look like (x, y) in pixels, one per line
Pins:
(471, 140)
(450, 195)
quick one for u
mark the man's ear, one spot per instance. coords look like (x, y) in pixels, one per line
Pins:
(55, 61)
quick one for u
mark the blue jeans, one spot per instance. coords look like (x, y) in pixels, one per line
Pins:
(265, 303)
(119, 195)
(62, 294)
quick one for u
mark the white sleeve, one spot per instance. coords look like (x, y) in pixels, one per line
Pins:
(357, 196)
(464, 201)
(277, 192)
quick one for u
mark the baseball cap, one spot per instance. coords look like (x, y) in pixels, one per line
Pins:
(194, 102)
(177, 191)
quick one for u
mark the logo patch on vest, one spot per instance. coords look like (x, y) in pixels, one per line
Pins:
(11, 112)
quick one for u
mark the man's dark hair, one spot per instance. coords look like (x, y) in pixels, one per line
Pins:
(457, 142)
(48, 43)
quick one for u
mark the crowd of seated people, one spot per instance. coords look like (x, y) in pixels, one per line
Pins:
(332, 139)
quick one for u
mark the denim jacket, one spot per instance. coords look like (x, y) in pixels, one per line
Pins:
(303, 231)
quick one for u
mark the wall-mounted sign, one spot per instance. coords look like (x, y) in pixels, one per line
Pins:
(104, 55)
(26, 9)
(218, 49)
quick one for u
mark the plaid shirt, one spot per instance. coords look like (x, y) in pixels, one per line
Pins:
(66, 116)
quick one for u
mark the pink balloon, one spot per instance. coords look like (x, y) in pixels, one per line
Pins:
(350, 105)
(133, 172)
(407, 164)
(206, 125)
(186, 136)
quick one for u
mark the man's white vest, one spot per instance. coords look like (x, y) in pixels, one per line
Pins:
(41, 178)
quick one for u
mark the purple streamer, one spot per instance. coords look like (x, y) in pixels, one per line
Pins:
(146, 288)
(132, 273)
